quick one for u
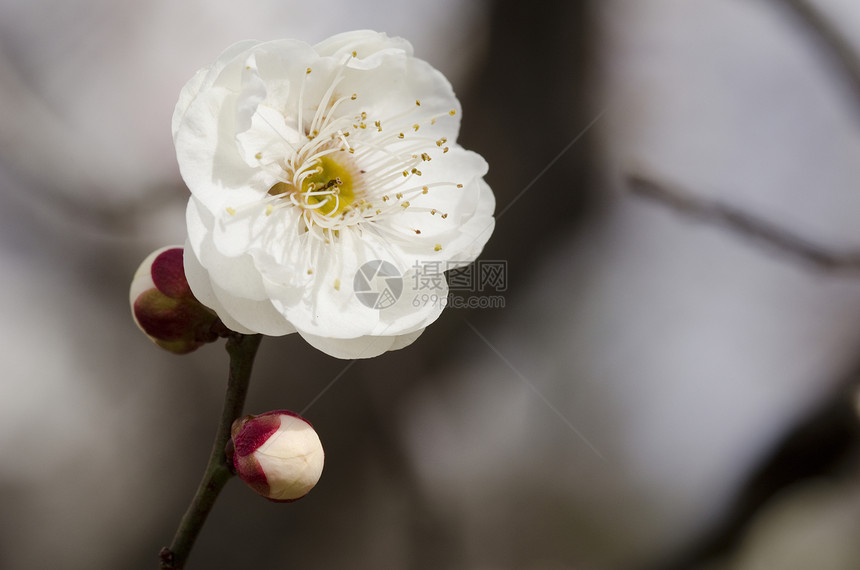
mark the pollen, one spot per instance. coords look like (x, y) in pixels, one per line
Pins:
(401, 136)
(437, 247)
(452, 112)
(424, 190)
(415, 127)
(310, 271)
(231, 211)
(405, 204)
(417, 102)
(258, 156)
(354, 96)
(269, 209)
(459, 185)
(337, 284)
(307, 71)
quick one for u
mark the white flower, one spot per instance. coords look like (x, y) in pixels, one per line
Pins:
(306, 162)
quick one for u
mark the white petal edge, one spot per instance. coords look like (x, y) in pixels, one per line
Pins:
(361, 347)
(201, 286)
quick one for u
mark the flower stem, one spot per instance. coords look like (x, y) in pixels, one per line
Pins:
(242, 349)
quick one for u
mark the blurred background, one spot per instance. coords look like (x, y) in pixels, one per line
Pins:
(659, 392)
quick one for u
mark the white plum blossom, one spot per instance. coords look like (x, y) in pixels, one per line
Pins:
(307, 162)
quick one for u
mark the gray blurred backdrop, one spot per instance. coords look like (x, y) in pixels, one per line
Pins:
(659, 392)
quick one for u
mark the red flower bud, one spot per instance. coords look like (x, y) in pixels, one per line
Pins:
(278, 454)
(164, 308)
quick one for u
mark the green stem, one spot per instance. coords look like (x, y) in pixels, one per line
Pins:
(242, 349)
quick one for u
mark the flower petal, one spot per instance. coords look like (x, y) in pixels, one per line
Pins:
(354, 348)
(201, 286)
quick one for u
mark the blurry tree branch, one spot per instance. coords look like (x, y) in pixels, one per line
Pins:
(836, 46)
(743, 224)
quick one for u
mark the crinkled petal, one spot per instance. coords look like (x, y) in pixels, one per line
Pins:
(257, 316)
(233, 271)
(362, 347)
(204, 78)
(201, 286)
(363, 42)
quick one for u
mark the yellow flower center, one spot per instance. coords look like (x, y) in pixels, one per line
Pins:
(329, 190)
(330, 177)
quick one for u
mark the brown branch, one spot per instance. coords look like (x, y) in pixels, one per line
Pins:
(242, 350)
(744, 224)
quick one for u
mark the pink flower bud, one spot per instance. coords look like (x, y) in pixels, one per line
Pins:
(278, 454)
(164, 308)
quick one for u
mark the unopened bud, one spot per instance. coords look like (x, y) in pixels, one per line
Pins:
(164, 307)
(278, 454)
